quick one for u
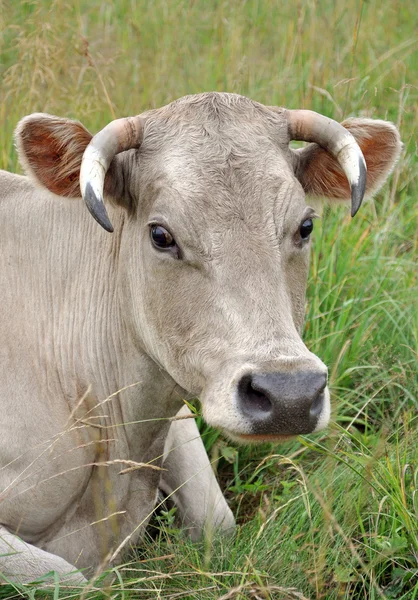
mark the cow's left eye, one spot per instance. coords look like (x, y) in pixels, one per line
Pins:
(306, 229)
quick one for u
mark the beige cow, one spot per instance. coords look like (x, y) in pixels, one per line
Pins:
(199, 291)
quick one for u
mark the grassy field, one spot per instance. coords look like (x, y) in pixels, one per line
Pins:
(331, 516)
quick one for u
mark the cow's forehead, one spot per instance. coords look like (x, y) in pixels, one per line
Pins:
(228, 185)
(219, 107)
(249, 203)
(233, 121)
(202, 147)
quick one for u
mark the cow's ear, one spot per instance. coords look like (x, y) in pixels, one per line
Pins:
(50, 151)
(321, 175)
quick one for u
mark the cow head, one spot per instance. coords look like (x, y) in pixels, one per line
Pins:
(214, 246)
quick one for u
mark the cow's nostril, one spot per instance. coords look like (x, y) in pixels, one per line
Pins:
(317, 406)
(253, 401)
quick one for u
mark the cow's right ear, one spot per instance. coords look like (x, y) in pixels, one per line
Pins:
(50, 151)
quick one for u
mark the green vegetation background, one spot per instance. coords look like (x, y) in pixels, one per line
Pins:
(332, 516)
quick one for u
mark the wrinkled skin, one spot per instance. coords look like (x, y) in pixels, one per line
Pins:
(219, 315)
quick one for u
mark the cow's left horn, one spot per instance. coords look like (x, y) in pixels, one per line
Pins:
(309, 126)
(117, 136)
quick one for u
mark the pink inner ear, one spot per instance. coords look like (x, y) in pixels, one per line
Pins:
(381, 146)
(52, 149)
(323, 177)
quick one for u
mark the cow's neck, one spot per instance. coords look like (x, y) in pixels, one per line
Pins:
(79, 314)
(142, 397)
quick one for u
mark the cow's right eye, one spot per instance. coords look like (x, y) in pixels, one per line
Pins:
(161, 238)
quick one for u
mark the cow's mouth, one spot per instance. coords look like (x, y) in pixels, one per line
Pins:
(248, 438)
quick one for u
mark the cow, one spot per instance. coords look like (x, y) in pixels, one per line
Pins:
(199, 291)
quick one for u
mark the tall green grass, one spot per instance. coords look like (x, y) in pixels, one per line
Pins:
(328, 517)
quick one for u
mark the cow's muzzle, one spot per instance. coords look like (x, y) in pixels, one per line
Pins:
(283, 404)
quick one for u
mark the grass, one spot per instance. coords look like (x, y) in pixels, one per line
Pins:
(327, 517)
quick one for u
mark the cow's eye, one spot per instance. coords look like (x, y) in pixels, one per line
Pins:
(161, 238)
(306, 229)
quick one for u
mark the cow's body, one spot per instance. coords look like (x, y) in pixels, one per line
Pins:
(74, 331)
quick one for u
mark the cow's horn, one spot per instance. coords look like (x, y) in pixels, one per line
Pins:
(117, 136)
(309, 126)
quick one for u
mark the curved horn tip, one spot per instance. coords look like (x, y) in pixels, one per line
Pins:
(358, 189)
(97, 208)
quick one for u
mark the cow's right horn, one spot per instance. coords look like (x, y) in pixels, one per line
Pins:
(309, 126)
(117, 136)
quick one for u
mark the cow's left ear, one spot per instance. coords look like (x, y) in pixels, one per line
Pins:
(321, 175)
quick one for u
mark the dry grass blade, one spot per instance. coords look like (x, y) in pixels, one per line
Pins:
(103, 520)
(133, 466)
